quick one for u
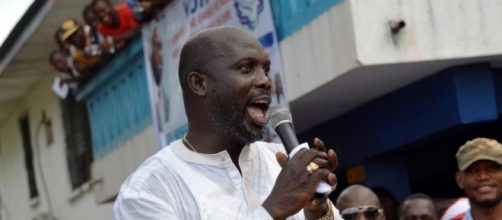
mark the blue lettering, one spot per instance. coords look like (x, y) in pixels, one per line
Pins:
(194, 9)
(203, 3)
(186, 6)
(192, 6)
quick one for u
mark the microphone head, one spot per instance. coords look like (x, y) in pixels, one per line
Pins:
(279, 114)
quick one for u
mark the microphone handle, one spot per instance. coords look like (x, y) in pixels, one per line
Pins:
(287, 135)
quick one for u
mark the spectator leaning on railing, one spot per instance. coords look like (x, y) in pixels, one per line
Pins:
(59, 41)
(86, 49)
(91, 31)
(89, 17)
(116, 23)
(60, 60)
(65, 48)
(82, 48)
(146, 10)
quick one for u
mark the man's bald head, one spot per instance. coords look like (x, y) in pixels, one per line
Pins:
(208, 45)
(224, 74)
(357, 196)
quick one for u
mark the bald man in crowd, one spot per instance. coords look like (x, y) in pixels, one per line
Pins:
(220, 169)
(358, 202)
(418, 206)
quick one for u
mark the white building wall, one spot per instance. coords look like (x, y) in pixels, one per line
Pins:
(348, 56)
(356, 33)
(320, 51)
(435, 29)
(14, 189)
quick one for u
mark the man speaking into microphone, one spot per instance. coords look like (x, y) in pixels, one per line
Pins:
(220, 170)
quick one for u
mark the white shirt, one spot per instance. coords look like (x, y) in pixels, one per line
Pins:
(177, 183)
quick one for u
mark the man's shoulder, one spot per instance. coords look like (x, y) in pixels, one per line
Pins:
(160, 163)
(149, 187)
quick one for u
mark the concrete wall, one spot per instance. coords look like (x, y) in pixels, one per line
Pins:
(348, 56)
(356, 33)
(320, 51)
(435, 29)
(50, 160)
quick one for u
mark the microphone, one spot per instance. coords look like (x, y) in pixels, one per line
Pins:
(279, 117)
(282, 122)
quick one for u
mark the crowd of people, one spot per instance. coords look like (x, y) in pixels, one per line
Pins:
(360, 202)
(480, 176)
(107, 27)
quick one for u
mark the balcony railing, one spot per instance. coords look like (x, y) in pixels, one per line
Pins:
(289, 16)
(117, 100)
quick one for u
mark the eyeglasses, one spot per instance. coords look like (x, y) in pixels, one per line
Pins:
(370, 212)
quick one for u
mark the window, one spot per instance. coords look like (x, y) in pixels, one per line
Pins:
(24, 124)
(78, 141)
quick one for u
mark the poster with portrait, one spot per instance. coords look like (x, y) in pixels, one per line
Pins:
(164, 37)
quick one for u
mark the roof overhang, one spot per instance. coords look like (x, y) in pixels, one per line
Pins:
(26, 62)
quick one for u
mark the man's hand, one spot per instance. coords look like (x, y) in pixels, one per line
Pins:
(318, 207)
(332, 160)
(295, 186)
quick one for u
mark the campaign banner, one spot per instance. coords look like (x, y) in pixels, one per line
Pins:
(164, 37)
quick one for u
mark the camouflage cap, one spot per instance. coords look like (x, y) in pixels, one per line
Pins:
(479, 149)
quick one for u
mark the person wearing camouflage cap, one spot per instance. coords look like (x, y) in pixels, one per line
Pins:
(480, 176)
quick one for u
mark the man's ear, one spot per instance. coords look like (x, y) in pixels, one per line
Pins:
(460, 180)
(197, 83)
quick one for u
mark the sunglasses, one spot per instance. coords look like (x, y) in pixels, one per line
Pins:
(370, 212)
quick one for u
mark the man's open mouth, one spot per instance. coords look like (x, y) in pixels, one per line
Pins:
(257, 110)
